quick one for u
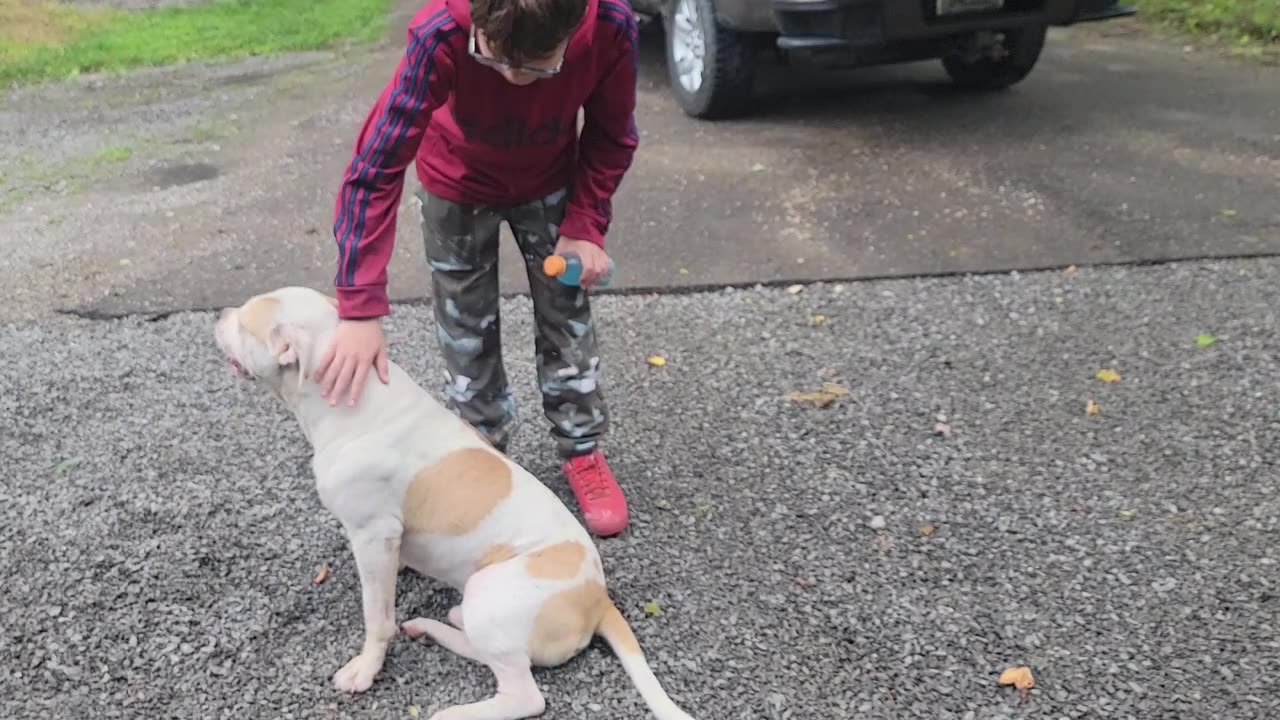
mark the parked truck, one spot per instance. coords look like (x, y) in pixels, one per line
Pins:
(713, 46)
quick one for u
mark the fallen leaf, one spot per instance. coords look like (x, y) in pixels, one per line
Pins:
(657, 361)
(652, 609)
(1205, 340)
(817, 399)
(1229, 212)
(1107, 375)
(942, 429)
(1070, 269)
(414, 711)
(321, 575)
(758, 167)
(1125, 514)
(817, 319)
(1091, 408)
(820, 398)
(927, 529)
(1019, 677)
(684, 271)
(795, 289)
(66, 464)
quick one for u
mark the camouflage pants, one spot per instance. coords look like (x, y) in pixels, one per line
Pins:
(462, 248)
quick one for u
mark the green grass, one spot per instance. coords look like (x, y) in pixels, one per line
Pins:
(45, 40)
(1245, 23)
(116, 154)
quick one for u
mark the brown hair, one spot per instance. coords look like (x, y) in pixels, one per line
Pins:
(520, 30)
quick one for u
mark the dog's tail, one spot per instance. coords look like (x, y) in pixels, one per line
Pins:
(617, 632)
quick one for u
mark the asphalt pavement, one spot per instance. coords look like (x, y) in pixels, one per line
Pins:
(957, 513)
(188, 188)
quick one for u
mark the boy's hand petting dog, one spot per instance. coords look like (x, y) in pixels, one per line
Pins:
(595, 261)
(356, 345)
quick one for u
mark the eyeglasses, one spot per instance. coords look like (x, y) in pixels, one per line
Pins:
(500, 65)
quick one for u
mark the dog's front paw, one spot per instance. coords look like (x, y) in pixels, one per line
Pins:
(357, 675)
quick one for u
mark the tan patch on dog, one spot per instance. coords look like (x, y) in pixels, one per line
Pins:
(565, 623)
(615, 628)
(452, 496)
(495, 554)
(258, 315)
(557, 562)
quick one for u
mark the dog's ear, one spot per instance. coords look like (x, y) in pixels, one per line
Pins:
(289, 345)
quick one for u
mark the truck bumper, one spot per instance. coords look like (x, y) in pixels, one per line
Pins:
(889, 30)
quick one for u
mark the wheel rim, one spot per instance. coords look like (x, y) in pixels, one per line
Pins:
(688, 45)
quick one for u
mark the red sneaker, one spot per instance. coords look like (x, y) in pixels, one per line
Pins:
(603, 505)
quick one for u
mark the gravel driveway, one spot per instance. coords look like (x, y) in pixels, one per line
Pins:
(159, 533)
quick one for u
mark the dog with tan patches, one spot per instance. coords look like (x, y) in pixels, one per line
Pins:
(414, 485)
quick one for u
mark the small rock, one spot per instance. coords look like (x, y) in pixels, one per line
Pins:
(878, 523)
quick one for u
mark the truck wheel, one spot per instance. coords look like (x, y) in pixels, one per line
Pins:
(998, 67)
(711, 68)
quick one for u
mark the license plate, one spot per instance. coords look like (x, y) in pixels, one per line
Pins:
(960, 7)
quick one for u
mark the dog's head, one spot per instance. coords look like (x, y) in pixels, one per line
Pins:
(276, 334)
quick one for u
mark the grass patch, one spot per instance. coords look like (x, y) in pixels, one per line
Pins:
(117, 154)
(1244, 23)
(41, 40)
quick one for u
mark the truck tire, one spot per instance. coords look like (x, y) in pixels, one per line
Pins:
(1022, 45)
(711, 68)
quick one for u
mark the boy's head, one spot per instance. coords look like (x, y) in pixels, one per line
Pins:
(524, 39)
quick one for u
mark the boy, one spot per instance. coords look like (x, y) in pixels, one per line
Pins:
(486, 101)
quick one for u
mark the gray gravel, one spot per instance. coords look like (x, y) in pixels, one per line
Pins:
(159, 530)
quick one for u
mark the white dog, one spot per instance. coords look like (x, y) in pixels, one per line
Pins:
(414, 485)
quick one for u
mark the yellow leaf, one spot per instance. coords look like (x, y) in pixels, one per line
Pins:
(1070, 269)
(817, 319)
(1229, 212)
(1091, 408)
(1019, 677)
(684, 271)
(820, 398)
(927, 529)
(652, 609)
(1107, 375)
(817, 399)
(414, 711)
(657, 360)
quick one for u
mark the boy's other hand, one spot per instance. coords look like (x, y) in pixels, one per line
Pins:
(595, 262)
(356, 345)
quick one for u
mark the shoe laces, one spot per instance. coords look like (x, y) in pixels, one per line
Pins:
(590, 479)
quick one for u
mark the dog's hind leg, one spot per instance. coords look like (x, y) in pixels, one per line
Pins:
(518, 694)
(450, 638)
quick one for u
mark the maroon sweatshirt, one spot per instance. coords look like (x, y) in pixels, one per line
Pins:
(476, 138)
